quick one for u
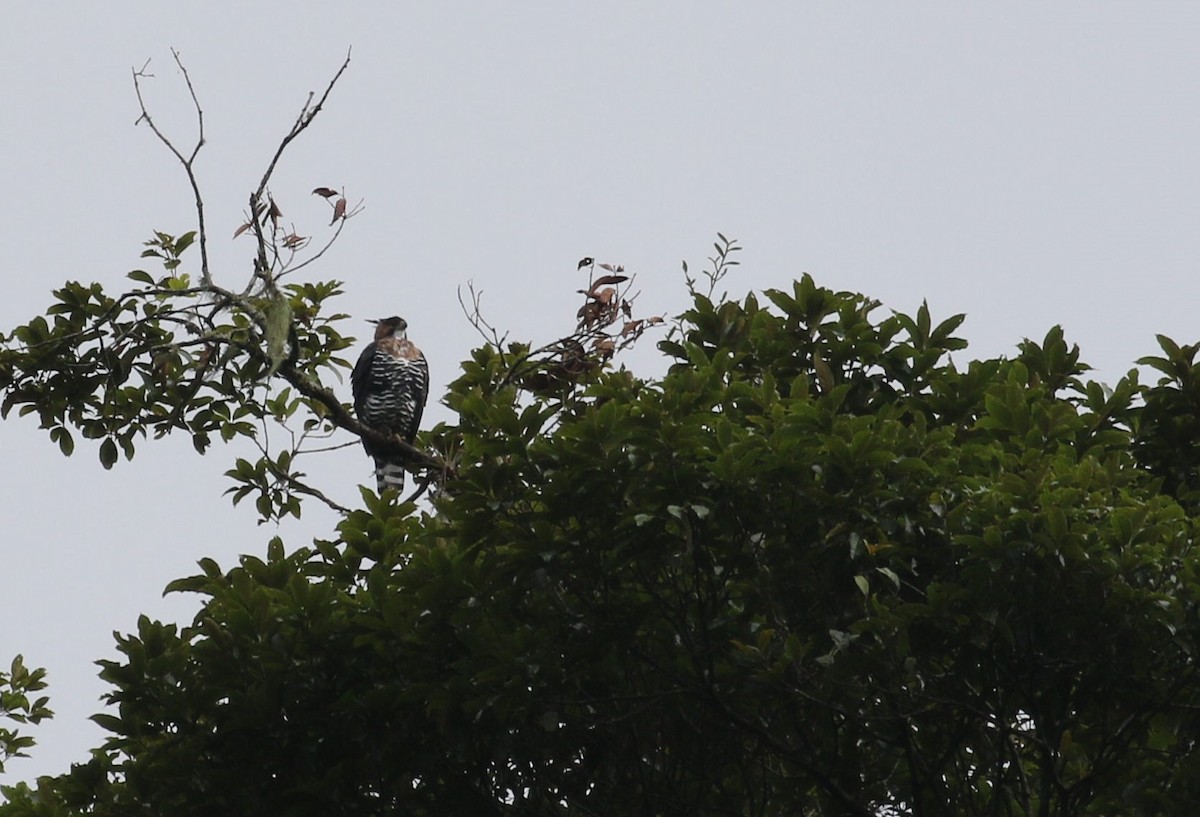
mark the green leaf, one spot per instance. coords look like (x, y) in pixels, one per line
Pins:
(188, 584)
(112, 723)
(278, 314)
(108, 453)
(183, 242)
(141, 276)
(890, 574)
(66, 444)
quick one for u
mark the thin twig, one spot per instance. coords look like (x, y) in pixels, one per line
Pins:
(307, 113)
(302, 121)
(286, 270)
(187, 163)
(475, 317)
(320, 399)
(324, 449)
(306, 489)
(203, 234)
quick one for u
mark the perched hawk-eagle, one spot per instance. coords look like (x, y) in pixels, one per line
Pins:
(390, 384)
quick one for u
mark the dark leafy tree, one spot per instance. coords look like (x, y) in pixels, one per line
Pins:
(819, 567)
(760, 585)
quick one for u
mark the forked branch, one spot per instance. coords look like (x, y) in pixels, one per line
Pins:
(188, 161)
(264, 327)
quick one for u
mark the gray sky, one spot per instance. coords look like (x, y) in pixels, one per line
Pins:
(1028, 164)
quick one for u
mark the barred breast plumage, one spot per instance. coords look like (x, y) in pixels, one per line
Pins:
(390, 384)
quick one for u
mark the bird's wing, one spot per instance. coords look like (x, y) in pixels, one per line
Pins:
(360, 378)
(419, 407)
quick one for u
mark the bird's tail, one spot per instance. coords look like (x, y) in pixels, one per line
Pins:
(389, 475)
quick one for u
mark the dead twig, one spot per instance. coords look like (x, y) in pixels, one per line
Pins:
(187, 162)
(274, 256)
(307, 113)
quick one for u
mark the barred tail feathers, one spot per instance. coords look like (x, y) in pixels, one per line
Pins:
(389, 475)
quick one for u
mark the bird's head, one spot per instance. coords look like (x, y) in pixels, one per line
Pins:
(386, 327)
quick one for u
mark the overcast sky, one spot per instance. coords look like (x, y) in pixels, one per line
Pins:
(1028, 164)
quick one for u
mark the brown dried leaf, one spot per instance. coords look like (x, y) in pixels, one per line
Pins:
(241, 229)
(630, 327)
(585, 262)
(609, 279)
(605, 295)
(588, 314)
(653, 320)
(339, 210)
(605, 346)
(293, 241)
(627, 308)
(607, 267)
(325, 192)
(573, 357)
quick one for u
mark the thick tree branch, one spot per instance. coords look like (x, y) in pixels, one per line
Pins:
(263, 312)
(341, 417)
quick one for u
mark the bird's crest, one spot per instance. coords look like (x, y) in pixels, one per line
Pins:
(386, 327)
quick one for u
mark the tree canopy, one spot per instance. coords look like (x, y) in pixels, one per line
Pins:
(826, 564)
(816, 568)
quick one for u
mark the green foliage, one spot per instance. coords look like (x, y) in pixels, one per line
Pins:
(1168, 424)
(817, 568)
(173, 355)
(16, 706)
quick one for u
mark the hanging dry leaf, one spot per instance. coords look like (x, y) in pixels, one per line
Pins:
(588, 314)
(605, 295)
(607, 267)
(609, 279)
(339, 210)
(241, 229)
(585, 262)
(325, 192)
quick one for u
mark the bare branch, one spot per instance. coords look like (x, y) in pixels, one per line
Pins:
(476, 319)
(337, 447)
(187, 163)
(308, 490)
(307, 113)
(341, 417)
(287, 269)
(275, 255)
(604, 326)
